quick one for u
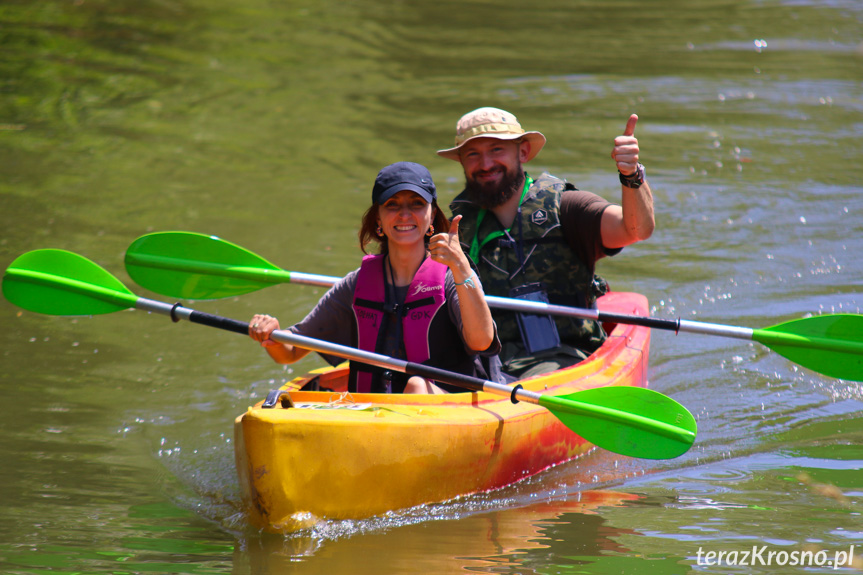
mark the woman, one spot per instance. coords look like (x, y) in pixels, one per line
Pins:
(417, 299)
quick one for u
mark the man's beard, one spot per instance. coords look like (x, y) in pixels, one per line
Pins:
(493, 194)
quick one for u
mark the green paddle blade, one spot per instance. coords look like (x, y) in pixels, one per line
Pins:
(829, 344)
(631, 421)
(197, 266)
(58, 282)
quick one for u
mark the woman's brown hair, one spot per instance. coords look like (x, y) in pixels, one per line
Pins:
(368, 229)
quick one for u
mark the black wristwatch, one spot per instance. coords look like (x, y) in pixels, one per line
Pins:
(633, 180)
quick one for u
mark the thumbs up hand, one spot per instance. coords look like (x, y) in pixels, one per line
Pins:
(446, 249)
(625, 151)
(453, 226)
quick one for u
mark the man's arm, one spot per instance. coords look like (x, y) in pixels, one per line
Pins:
(633, 220)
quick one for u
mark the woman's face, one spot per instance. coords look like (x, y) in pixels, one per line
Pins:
(405, 218)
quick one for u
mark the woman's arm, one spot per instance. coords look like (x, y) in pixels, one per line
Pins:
(478, 327)
(330, 320)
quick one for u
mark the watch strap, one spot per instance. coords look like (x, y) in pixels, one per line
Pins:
(633, 180)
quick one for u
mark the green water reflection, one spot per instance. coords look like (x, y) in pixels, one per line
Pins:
(265, 123)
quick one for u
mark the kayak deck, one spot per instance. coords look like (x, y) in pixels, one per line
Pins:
(349, 456)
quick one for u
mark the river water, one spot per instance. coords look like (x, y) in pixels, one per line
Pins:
(266, 122)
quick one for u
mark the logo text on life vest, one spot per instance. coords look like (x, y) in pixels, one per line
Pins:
(422, 288)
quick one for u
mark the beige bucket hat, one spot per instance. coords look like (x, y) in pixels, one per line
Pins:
(491, 123)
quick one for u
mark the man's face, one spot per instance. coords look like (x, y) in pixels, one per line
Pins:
(492, 169)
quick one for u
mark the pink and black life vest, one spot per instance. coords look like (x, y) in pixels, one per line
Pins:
(427, 332)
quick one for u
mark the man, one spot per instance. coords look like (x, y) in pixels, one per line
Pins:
(540, 239)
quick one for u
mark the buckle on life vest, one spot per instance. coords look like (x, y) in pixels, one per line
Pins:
(386, 381)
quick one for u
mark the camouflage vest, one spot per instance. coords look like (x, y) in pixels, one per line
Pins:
(534, 250)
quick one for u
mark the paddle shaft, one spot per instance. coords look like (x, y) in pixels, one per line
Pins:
(511, 304)
(178, 312)
(764, 336)
(676, 325)
(515, 393)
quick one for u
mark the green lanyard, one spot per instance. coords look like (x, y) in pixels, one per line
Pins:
(476, 245)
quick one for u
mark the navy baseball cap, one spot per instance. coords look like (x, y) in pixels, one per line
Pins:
(403, 176)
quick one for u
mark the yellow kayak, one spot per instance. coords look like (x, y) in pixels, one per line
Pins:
(320, 455)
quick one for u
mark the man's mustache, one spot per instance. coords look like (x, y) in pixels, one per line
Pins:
(480, 173)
